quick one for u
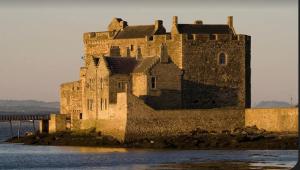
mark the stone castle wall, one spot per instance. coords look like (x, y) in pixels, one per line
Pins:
(130, 119)
(145, 122)
(273, 119)
(71, 101)
(112, 122)
(97, 44)
(207, 83)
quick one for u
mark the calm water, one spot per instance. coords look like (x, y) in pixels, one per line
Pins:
(14, 156)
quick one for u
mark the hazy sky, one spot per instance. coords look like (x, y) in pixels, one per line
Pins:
(41, 41)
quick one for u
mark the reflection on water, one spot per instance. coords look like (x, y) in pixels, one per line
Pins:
(15, 156)
(93, 149)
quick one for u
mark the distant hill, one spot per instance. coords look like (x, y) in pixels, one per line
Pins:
(265, 104)
(28, 106)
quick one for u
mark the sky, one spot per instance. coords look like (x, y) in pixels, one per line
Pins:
(41, 41)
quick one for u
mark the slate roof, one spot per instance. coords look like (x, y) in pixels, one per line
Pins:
(204, 29)
(145, 64)
(140, 31)
(121, 65)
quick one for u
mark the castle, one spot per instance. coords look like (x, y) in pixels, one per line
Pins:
(143, 72)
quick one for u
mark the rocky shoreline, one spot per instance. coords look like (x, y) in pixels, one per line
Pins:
(240, 138)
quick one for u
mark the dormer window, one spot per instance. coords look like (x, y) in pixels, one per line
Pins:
(222, 59)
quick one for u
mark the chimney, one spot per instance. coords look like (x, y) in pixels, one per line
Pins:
(198, 22)
(123, 24)
(230, 21)
(158, 24)
(138, 53)
(164, 57)
(175, 20)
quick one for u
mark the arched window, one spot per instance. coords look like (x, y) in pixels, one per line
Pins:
(222, 59)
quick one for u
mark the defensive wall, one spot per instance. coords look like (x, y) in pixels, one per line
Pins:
(132, 119)
(145, 122)
(273, 119)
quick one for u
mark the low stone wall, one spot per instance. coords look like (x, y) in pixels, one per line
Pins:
(145, 122)
(57, 122)
(273, 119)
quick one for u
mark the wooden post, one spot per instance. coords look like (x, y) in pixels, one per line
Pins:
(19, 129)
(33, 127)
(11, 129)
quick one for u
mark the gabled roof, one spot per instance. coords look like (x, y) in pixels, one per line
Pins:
(145, 64)
(140, 31)
(204, 29)
(121, 65)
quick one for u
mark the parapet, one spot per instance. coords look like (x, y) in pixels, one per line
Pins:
(214, 37)
(96, 36)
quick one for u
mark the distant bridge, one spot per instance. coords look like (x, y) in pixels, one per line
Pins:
(23, 118)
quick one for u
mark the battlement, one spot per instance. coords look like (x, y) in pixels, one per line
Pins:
(214, 37)
(96, 36)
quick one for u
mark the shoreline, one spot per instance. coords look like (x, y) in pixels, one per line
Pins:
(249, 138)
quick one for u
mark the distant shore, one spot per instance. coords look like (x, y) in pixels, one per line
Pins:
(243, 139)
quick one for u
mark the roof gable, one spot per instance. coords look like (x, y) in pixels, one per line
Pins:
(136, 32)
(145, 64)
(121, 65)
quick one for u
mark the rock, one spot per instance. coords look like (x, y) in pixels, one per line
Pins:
(198, 131)
(28, 134)
(226, 131)
(244, 132)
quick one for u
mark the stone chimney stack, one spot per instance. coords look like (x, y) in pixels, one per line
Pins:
(158, 24)
(198, 22)
(123, 24)
(230, 21)
(175, 20)
(164, 57)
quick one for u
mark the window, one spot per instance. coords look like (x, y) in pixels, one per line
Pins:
(128, 51)
(212, 37)
(222, 59)
(90, 104)
(190, 36)
(131, 47)
(151, 38)
(101, 83)
(101, 104)
(80, 116)
(153, 82)
(105, 104)
(121, 85)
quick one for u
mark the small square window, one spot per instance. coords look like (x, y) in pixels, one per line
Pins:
(222, 59)
(190, 36)
(212, 37)
(153, 82)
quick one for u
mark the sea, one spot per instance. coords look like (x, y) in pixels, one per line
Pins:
(19, 156)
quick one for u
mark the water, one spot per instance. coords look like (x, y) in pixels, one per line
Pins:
(15, 156)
